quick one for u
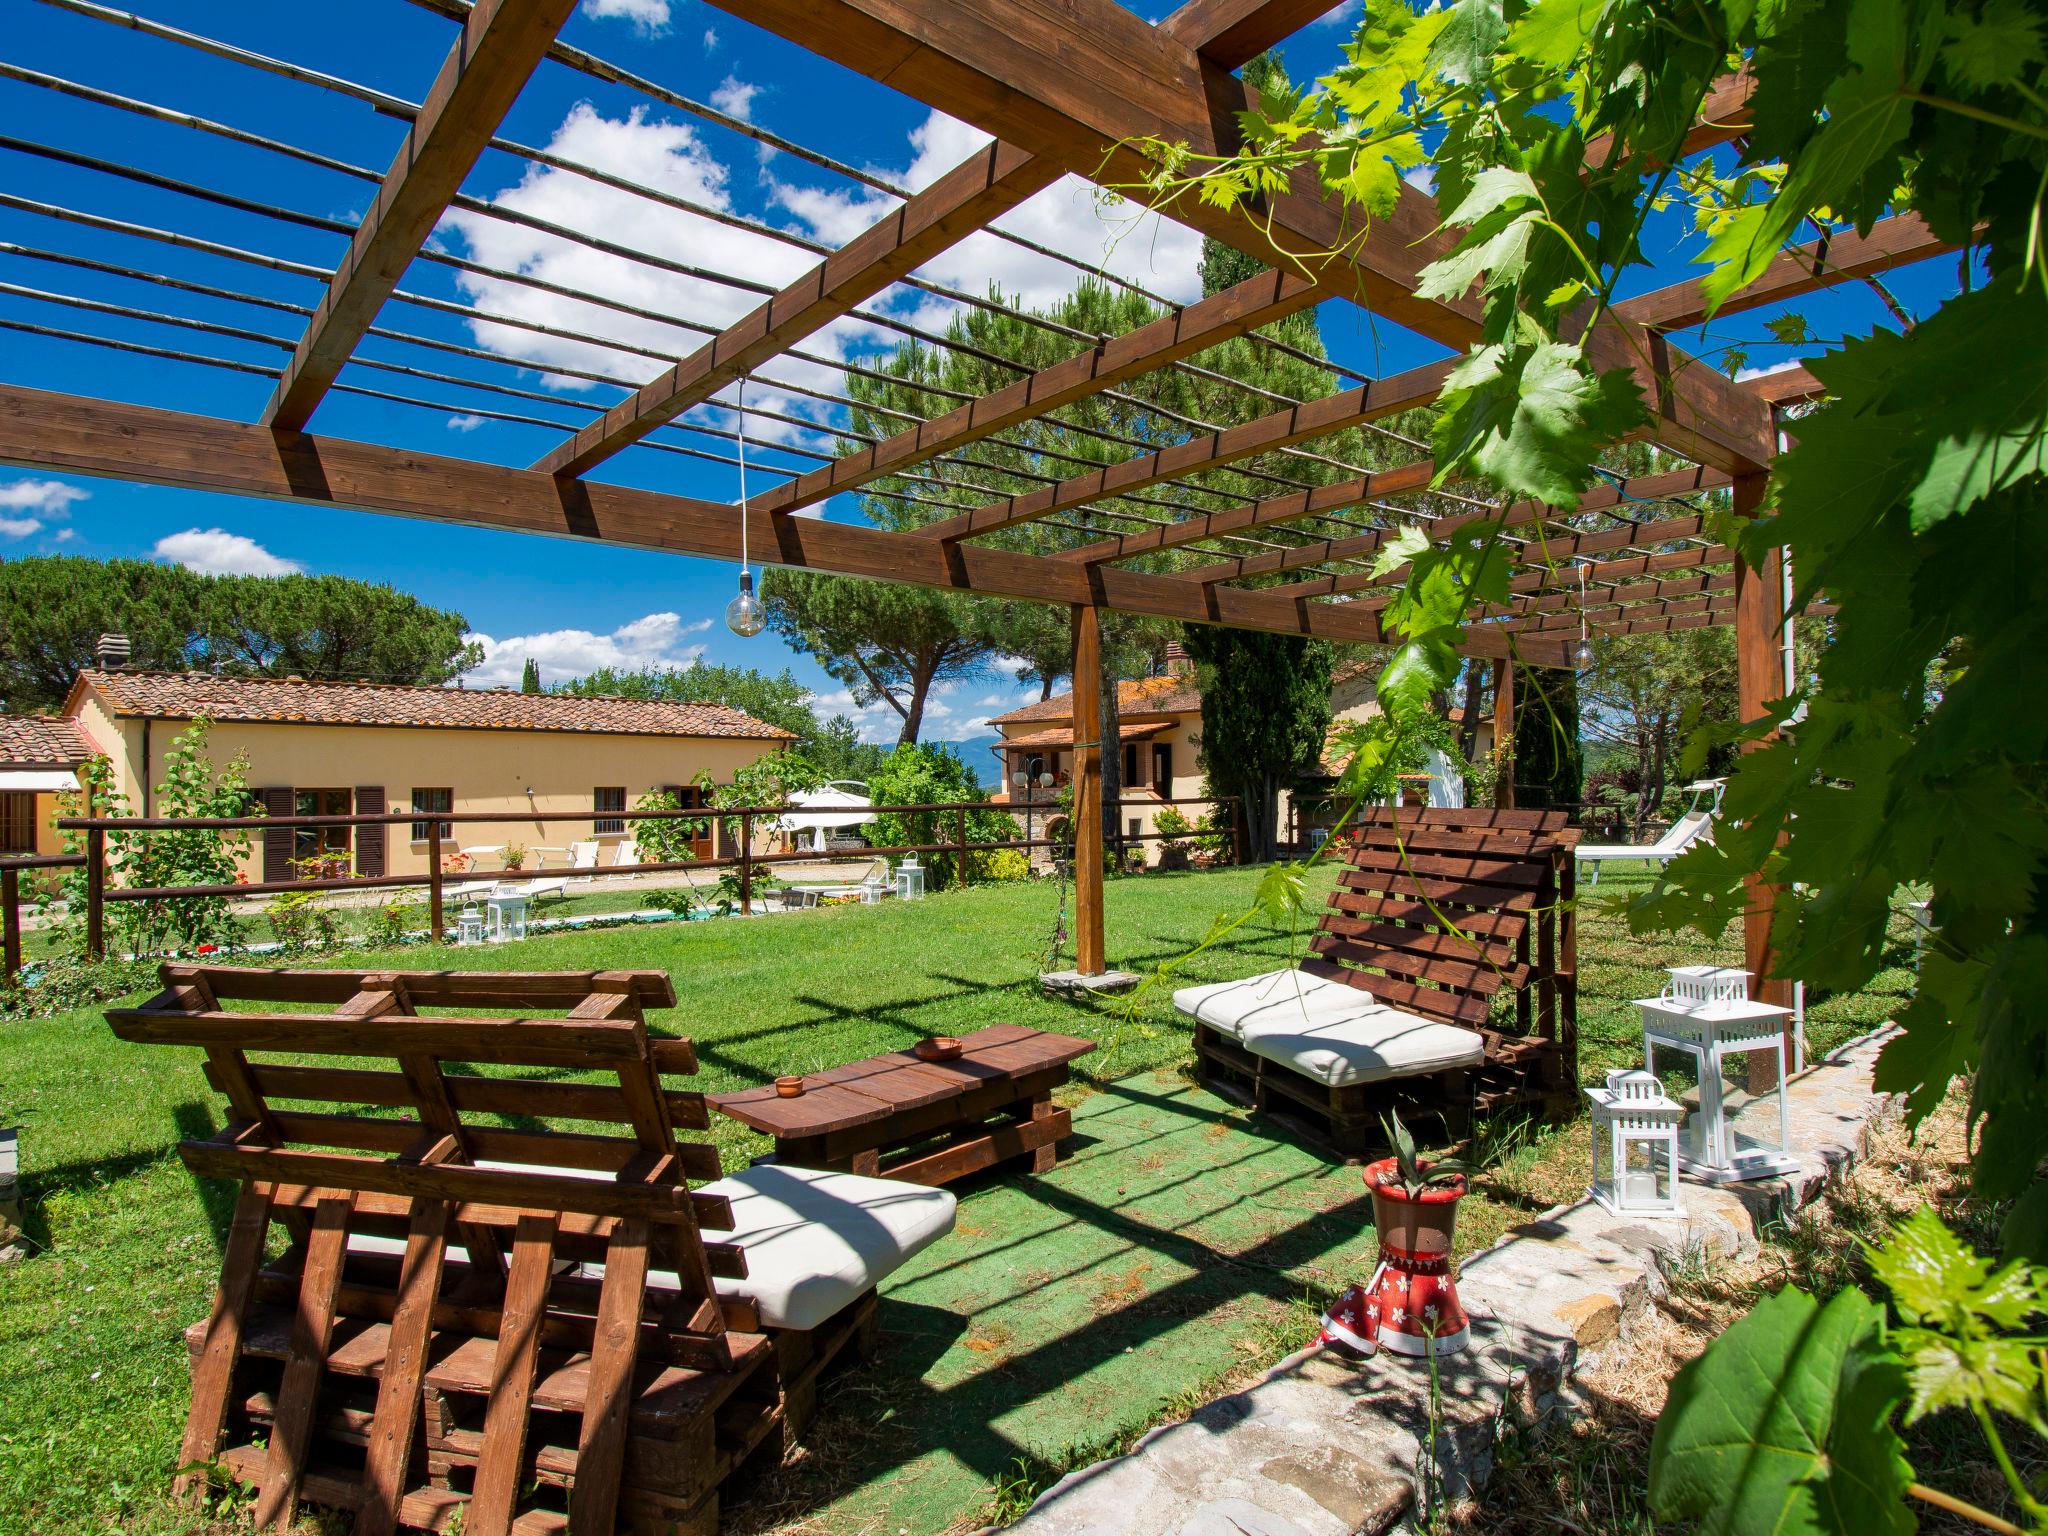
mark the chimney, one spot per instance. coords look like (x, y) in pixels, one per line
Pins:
(1178, 662)
(112, 652)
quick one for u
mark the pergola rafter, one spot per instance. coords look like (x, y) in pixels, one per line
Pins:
(1063, 87)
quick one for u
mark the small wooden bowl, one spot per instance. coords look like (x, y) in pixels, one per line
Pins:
(789, 1087)
(938, 1048)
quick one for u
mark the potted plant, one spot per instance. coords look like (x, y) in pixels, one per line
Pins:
(515, 856)
(1414, 1198)
(1411, 1304)
(1175, 832)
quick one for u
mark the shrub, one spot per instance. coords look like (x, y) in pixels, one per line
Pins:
(395, 920)
(680, 901)
(1002, 864)
(663, 841)
(64, 982)
(925, 773)
(297, 919)
(1175, 830)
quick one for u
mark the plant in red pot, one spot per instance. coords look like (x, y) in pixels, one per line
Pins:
(1410, 1305)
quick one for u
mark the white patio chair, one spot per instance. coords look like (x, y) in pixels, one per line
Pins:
(581, 856)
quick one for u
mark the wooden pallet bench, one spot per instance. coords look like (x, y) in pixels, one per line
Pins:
(1441, 983)
(498, 1305)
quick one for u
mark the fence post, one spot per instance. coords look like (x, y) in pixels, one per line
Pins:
(1237, 843)
(746, 863)
(10, 920)
(960, 838)
(95, 893)
(436, 922)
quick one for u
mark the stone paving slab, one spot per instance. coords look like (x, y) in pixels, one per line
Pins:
(1320, 1447)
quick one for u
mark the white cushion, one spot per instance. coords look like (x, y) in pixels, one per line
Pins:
(1276, 997)
(1372, 1045)
(817, 1241)
(1329, 1030)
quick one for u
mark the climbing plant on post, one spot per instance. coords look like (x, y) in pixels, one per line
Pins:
(1556, 132)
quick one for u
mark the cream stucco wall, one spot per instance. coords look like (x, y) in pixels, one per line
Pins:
(1142, 802)
(487, 770)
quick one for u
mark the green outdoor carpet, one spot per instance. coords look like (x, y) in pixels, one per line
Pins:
(1176, 1241)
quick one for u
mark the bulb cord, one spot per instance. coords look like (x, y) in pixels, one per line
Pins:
(741, 436)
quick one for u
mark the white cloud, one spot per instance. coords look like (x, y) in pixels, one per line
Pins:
(47, 498)
(64, 535)
(735, 98)
(19, 527)
(216, 552)
(646, 15)
(654, 640)
(464, 423)
(1069, 217)
(711, 39)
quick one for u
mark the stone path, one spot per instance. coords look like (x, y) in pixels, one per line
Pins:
(1319, 1447)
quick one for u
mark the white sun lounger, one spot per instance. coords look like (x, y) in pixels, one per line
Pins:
(1695, 824)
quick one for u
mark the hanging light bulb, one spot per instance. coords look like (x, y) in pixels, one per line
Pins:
(744, 615)
(1582, 658)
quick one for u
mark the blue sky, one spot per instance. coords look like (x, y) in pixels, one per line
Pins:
(572, 605)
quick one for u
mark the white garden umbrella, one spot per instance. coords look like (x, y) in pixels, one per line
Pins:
(827, 809)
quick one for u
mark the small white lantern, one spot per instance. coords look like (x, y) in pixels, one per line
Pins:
(909, 879)
(1731, 1131)
(1705, 984)
(1635, 1145)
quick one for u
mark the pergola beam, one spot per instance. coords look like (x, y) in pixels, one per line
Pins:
(1838, 258)
(1252, 303)
(989, 182)
(1086, 81)
(1601, 498)
(502, 42)
(73, 434)
(1212, 450)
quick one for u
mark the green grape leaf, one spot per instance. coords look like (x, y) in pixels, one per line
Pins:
(1552, 33)
(1283, 891)
(1410, 542)
(1867, 1467)
(1472, 35)
(1412, 677)
(1937, 1281)
(1947, 1372)
(1993, 47)
(1749, 1436)
(1927, 1053)
(1531, 418)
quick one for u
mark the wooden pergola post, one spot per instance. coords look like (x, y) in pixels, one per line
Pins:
(1087, 816)
(1759, 679)
(1504, 733)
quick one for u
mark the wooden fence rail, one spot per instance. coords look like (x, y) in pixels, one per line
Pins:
(98, 893)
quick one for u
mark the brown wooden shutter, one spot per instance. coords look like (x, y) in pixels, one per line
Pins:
(277, 841)
(370, 840)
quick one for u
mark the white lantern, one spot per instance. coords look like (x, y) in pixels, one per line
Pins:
(1705, 984)
(909, 879)
(1736, 1124)
(1635, 1145)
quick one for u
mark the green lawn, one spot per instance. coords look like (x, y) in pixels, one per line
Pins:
(977, 1375)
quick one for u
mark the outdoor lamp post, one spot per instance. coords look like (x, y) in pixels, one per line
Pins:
(1729, 1131)
(1635, 1145)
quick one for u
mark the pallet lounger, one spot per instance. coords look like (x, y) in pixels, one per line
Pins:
(484, 1314)
(1437, 913)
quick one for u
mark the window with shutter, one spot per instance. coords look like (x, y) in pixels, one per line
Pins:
(370, 839)
(607, 798)
(277, 841)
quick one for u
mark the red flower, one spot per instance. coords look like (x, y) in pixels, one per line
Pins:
(209, 949)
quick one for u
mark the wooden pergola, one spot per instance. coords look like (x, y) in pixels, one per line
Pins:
(1063, 88)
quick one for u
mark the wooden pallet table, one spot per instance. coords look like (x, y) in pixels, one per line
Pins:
(896, 1116)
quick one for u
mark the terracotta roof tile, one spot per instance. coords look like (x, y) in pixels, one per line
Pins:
(183, 695)
(1163, 695)
(43, 739)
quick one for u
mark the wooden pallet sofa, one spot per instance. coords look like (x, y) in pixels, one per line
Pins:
(495, 1302)
(1441, 983)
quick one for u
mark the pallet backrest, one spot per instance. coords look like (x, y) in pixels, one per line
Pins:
(1435, 909)
(419, 1121)
(418, 1145)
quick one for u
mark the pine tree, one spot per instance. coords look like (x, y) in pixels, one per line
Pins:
(529, 680)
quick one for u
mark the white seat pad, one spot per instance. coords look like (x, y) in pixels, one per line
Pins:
(817, 1241)
(1277, 997)
(1369, 1045)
